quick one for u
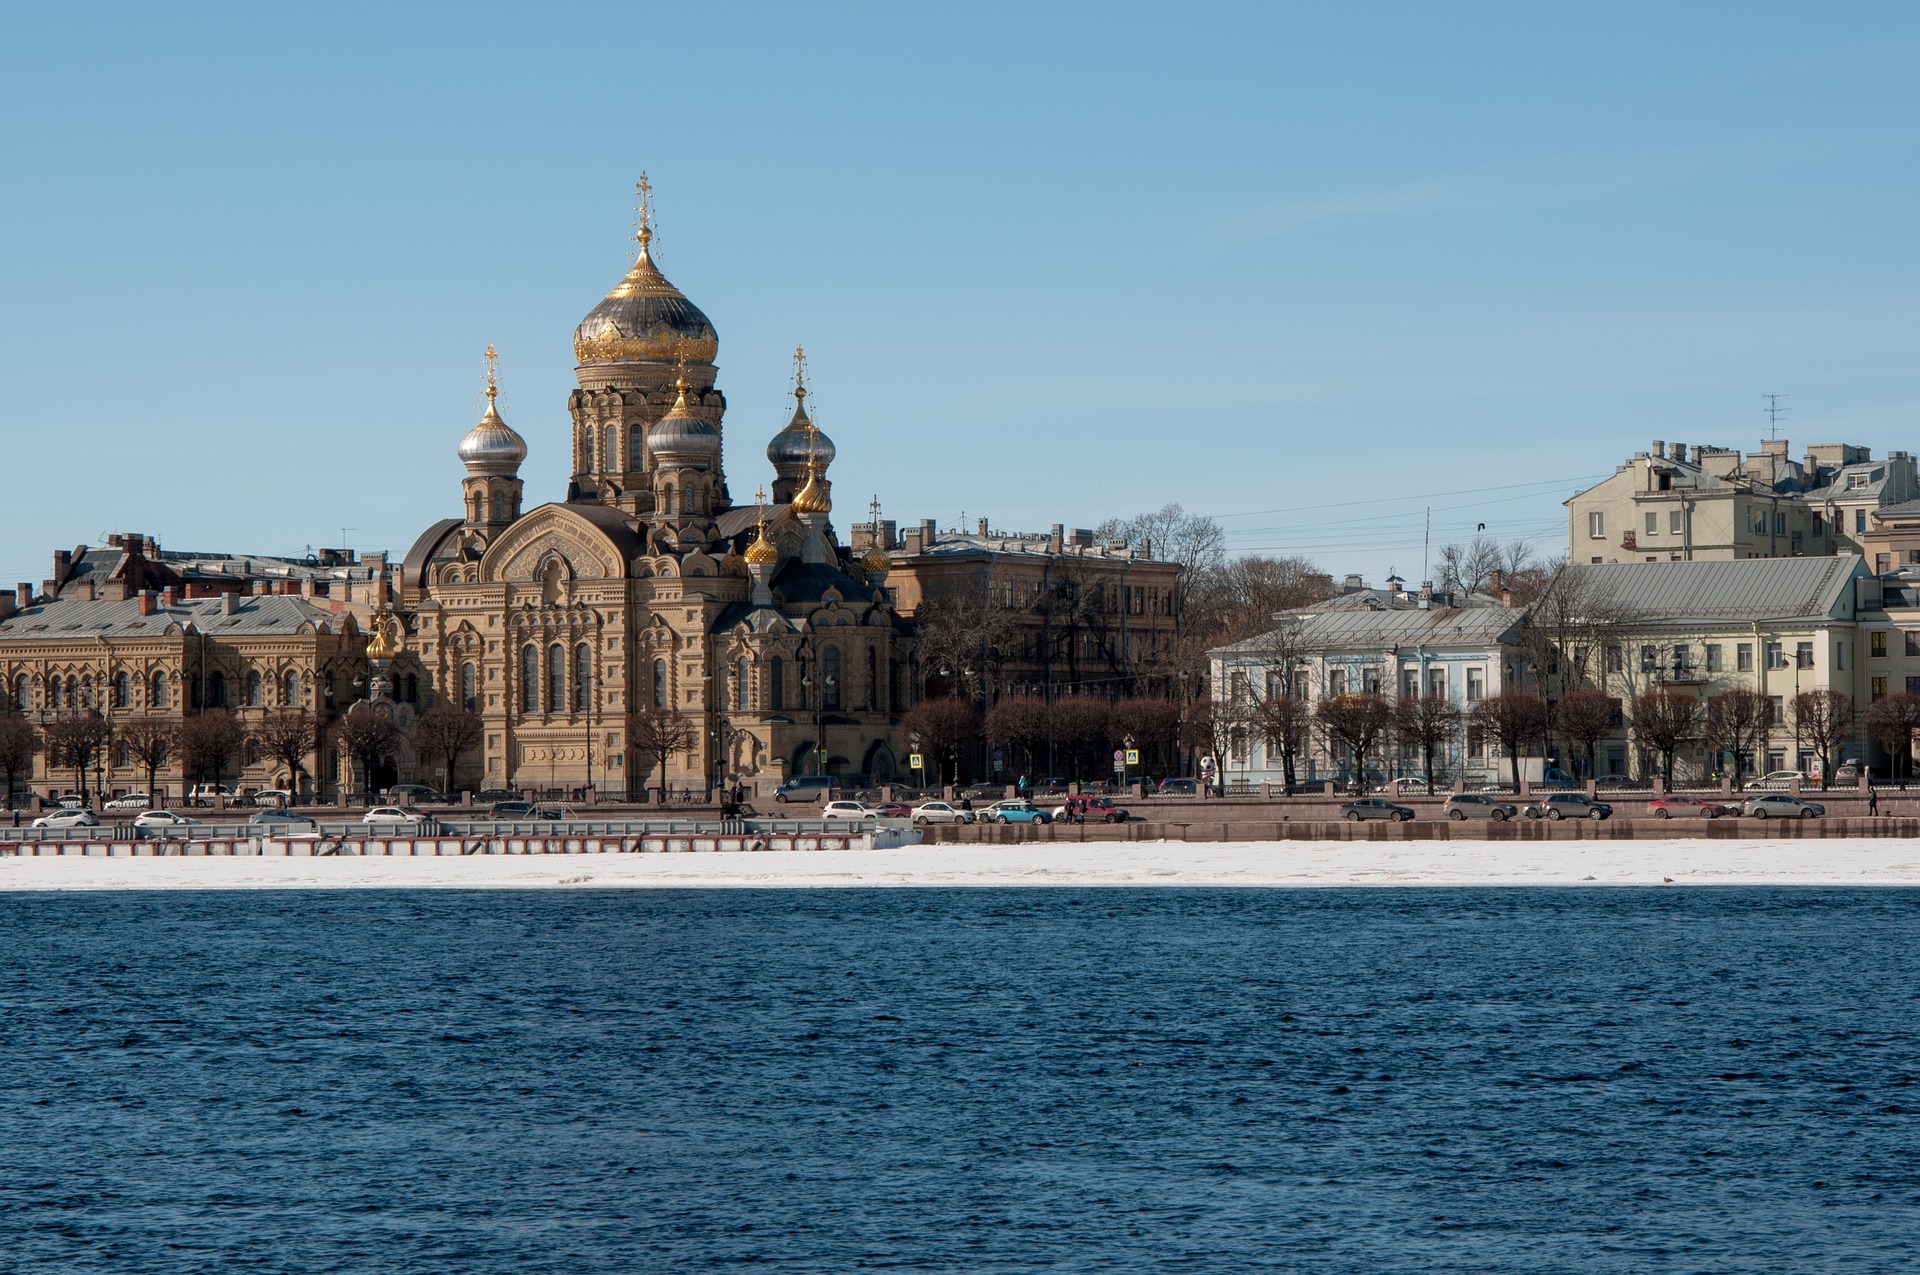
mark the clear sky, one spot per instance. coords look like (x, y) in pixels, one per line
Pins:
(1051, 263)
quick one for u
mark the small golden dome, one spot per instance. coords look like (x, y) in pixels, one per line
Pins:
(383, 646)
(761, 552)
(875, 559)
(813, 497)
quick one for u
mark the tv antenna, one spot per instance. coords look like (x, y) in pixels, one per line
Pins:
(1774, 413)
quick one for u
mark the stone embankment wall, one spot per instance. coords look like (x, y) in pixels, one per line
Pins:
(1617, 829)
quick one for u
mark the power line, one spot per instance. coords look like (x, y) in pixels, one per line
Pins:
(1387, 500)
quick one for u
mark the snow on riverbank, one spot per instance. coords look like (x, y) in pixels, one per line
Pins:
(1759, 861)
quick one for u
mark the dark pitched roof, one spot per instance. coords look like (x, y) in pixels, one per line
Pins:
(73, 618)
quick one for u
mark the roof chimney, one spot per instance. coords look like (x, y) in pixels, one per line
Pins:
(1494, 580)
(24, 592)
(1057, 538)
(1659, 449)
(983, 526)
(62, 564)
(1680, 452)
(1506, 597)
(169, 596)
(228, 603)
(146, 602)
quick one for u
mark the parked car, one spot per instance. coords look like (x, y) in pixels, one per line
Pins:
(414, 795)
(1775, 780)
(1179, 787)
(941, 812)
(893, 810)
(1375, 808)
(805, 788)
(1015, 810)
(276, 820)
(391, 816)
(161, 819)
(205, 794)
(72, 801)
(846, 810)
(514, 810)
(1478, 805)
(67, 819)
(1616, 781)
(1416, 784)
(1781, 805)
(496, 794)
(1084, 808)
(1568, 805)
(132, 801)
(1676, 807)
(273, 798)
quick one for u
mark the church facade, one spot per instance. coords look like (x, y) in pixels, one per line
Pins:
(648, 633)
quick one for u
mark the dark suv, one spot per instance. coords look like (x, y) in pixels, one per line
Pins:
(509, 810)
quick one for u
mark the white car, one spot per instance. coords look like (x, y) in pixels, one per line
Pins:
(846, 810)
(67, 819)
(391, 815)
(273, 797)
(72, 801)
(132, 801)
(940, 812)
(1775, 781)
(162, 819)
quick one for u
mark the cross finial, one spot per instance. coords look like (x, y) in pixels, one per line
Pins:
(643, 211)
(875, 509)
(800, 372)
(493, 374)
(760, 496)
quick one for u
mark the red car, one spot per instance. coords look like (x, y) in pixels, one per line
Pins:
(1088, 809)
(893, 810)
(1671, 807)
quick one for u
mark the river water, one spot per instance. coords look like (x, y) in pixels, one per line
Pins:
(1494, 1080)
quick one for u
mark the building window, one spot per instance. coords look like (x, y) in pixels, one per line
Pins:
(1673, 521)
(529, 679)
(1437, 681)
(873, 679)
(121, 691)
(1477, 682)
(22, 693)
(1759, 522)
(659, 683)
(1743, 657)
(556, 679)
(1614, 660)
(254, 688)
(740, 685)
(1913, 641)
(86, 691)
(1337, 682)
(1860, 520)
(1776, 657)
(469, 693)
(1597, 526)
(1776, 713)
(583, 678)
(1682, 658)
(1803, 655)
(216, 689)
(1714, 663)
(1779, 524)
(1649, 659)
(1653, 523)
(1839, 654)
(159, 697)
(290, 689)
(1877, 643)
(1879, 688)
(1913, 685)
(776, 683)
(830, 678)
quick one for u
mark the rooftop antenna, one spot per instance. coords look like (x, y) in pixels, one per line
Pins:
(1426, 545)
(1774, 413)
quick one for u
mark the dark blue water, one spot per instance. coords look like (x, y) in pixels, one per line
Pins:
(1005, 1080)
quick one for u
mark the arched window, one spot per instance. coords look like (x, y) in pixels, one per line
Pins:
(873, 678)
(216, 689)
(589, 449)
(666, 503)
(830, 677)
(122, 689)
(740, 685)
(290, 689)
(556, 679)
(73, 692)
(22, 692)
(253, 688)
(413, 688)
(659, 683)
(469, 697)
(159, 697)
(610, 436)
(776, 683)
(529, 679)
(582, 678)
(86, 691)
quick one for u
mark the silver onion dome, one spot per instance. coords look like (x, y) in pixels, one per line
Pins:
(681, 438)
(798, 443)
(492, 446)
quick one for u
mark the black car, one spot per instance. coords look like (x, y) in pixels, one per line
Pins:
(515, 810)
(1569, 805)
(1375, 808)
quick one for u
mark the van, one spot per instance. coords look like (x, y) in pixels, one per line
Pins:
(805, 788)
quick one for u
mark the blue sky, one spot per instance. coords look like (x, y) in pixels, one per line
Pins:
(1052, 263)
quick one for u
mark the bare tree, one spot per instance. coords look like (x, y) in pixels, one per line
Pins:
(288, 736)
(17, 743)
(964, 632)
(1469, 568)
(1354, 723)
(1148, 723)
(370, 738)
(940, 727)
(76, 741)
(1571, 618)
(1243, 596)
(1585, 717)
(1080, 724)
(656, 734)
(1666, 719)
(1736, 722)
(1823, 719)
(151, 743)
(446, 732)
(1515, 718)
(1429, 723)
(1286, 723)
(1018, 723)
(1893, 721)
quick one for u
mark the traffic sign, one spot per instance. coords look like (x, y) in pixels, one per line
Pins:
(913, 761)
(1133, 757)
(1119, 756)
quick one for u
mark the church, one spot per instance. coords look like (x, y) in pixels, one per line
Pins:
(648, 633)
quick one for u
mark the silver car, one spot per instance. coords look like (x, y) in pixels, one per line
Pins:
(1781, 805)
(1478, 805)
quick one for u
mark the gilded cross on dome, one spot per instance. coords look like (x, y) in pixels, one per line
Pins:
(800, 372)
(493, 373)
(643, 210)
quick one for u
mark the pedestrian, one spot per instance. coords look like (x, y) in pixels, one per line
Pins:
(1873, 800)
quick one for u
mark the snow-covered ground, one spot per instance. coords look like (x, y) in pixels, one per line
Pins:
(1812, 861)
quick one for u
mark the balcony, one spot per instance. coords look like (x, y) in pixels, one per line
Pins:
(1628, 543)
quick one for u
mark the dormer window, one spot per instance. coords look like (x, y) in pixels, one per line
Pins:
(1856, 481)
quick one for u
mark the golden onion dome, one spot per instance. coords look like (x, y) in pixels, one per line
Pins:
(813, 497)
(875, 560)
(761, 552)
(645, 319)
(383, 646)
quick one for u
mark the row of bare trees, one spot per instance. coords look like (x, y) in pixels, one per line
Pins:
(1073, 732)
(211, 745)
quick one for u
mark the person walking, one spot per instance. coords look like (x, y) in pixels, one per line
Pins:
(1873, 800)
